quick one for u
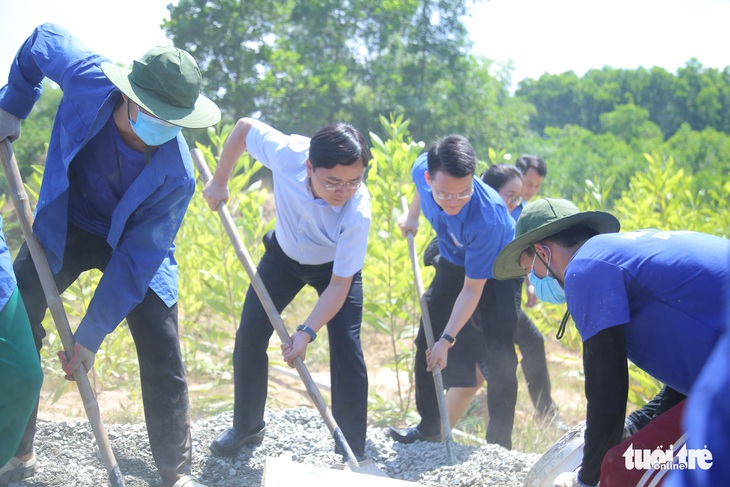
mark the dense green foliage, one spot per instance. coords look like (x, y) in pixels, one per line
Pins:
(303, 63)
(696, 95)
(299, 64)
(598, 126)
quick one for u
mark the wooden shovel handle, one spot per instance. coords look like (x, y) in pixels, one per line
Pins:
(428, 331)
(418, 279)
(55, 305)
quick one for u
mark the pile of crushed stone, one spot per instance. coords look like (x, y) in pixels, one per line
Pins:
(68, 456)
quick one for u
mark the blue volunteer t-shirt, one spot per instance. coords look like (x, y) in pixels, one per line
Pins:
(664, 286)
(473, 237)
(99, 176)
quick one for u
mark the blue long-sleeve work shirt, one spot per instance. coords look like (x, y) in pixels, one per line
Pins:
(148, 216)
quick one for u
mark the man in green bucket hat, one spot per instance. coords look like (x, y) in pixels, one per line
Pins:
(653, 297)
(118, 179)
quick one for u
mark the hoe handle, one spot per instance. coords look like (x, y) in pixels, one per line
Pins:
(55, 305)
(428, 329)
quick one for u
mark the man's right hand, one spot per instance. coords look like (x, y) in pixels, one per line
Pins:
(214, 193)
(82, 356)
(438, 355)
(298, 348)
(9, 126)
(407, 224)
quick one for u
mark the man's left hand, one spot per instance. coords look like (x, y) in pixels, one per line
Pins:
(438, 355)
(568, 479)
(298, 347)
(82, 356)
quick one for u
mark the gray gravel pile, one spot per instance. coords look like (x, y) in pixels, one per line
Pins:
(68, 457)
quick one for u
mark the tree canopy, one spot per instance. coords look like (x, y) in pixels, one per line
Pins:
(696, 95)
(300, 64)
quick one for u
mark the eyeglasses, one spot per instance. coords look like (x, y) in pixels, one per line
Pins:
(459, 196)
(349, 185)
(513, 200)
(150, 118)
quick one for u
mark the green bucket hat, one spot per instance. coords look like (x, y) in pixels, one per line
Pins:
(540, 220)
(166, 82)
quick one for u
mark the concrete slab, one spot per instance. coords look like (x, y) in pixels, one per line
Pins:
(283, 472)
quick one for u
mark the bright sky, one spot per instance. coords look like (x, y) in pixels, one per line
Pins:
(556, 36)
(120, 30)
(538, 36)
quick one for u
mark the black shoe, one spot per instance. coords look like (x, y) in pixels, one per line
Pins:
(409, 435)
(231, 440)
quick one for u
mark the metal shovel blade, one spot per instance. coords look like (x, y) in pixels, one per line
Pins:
(366, 466)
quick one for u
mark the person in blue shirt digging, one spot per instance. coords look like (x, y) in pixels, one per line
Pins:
(472, 225)
(319, 239)
(650, 296)
(117, 182)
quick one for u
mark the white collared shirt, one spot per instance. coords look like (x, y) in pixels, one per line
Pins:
(308, 229)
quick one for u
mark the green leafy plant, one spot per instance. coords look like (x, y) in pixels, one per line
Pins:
(212, 280)
(391, 305)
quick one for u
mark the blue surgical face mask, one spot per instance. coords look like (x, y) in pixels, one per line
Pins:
(152, 130)
(547, 288)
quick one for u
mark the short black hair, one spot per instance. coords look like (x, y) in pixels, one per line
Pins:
(338, 143)
(453, 155)
(497, 175)
(526, 162)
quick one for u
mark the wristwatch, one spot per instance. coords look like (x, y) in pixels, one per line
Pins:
(449, 338)
(308, 331)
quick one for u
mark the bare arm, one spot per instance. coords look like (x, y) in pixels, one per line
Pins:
(216, 190)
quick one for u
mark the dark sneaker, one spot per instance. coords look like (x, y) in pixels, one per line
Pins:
(231, 441)
(410, 435)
